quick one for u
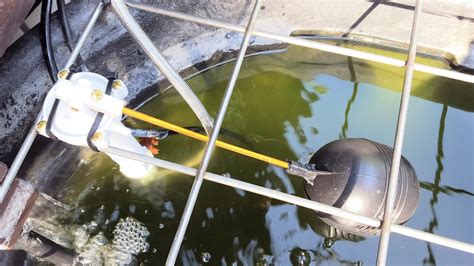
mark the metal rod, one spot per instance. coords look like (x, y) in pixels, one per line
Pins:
(30, 137)
(188, 209)
(139, 35)
(93, 19)
(308, 43)
(432, 238)
(306, 203)
(399, 135)
(19, 158)
(186, 132)
(245, 186)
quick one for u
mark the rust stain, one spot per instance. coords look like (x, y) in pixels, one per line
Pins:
(14, 211)
(8, 196)
(21, 221)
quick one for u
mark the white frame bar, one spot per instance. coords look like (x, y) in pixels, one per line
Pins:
(399, 136)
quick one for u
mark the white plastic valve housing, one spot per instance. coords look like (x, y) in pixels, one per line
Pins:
(77, 110)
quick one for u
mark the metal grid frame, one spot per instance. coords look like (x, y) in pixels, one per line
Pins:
(386, 225)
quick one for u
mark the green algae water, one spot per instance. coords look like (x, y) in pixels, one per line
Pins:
(287, 105)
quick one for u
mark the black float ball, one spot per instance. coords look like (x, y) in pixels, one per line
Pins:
(360, 183)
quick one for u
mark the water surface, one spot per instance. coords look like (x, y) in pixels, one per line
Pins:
(288, 105)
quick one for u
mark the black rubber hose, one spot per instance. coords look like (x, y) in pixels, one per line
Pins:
(69, 36)
(66, 28)
(45, 35)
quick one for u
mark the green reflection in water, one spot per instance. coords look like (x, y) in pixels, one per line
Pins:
(285, 105)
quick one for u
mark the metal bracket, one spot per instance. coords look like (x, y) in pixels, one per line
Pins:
(306, 171)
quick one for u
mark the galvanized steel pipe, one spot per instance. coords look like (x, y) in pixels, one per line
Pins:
(398, 145)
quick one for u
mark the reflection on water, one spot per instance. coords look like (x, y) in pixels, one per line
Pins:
(288, 105)
(434, 222)
(345, 126)
(436, 188)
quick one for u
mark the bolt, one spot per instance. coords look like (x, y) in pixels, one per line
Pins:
(41, 125)
(328, 243)
(63, 74)
(117, 84)
(97, 95)
(98, 136)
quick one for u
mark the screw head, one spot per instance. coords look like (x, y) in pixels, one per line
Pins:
(117, 84)
(63, 74)
(97, 95)
(41, 126)
(98, 136)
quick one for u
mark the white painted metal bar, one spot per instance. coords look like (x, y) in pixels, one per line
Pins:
(399, 136)
(30, 137)
(306, 203)
(308, 43)
(193, 194)
(432, 238)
